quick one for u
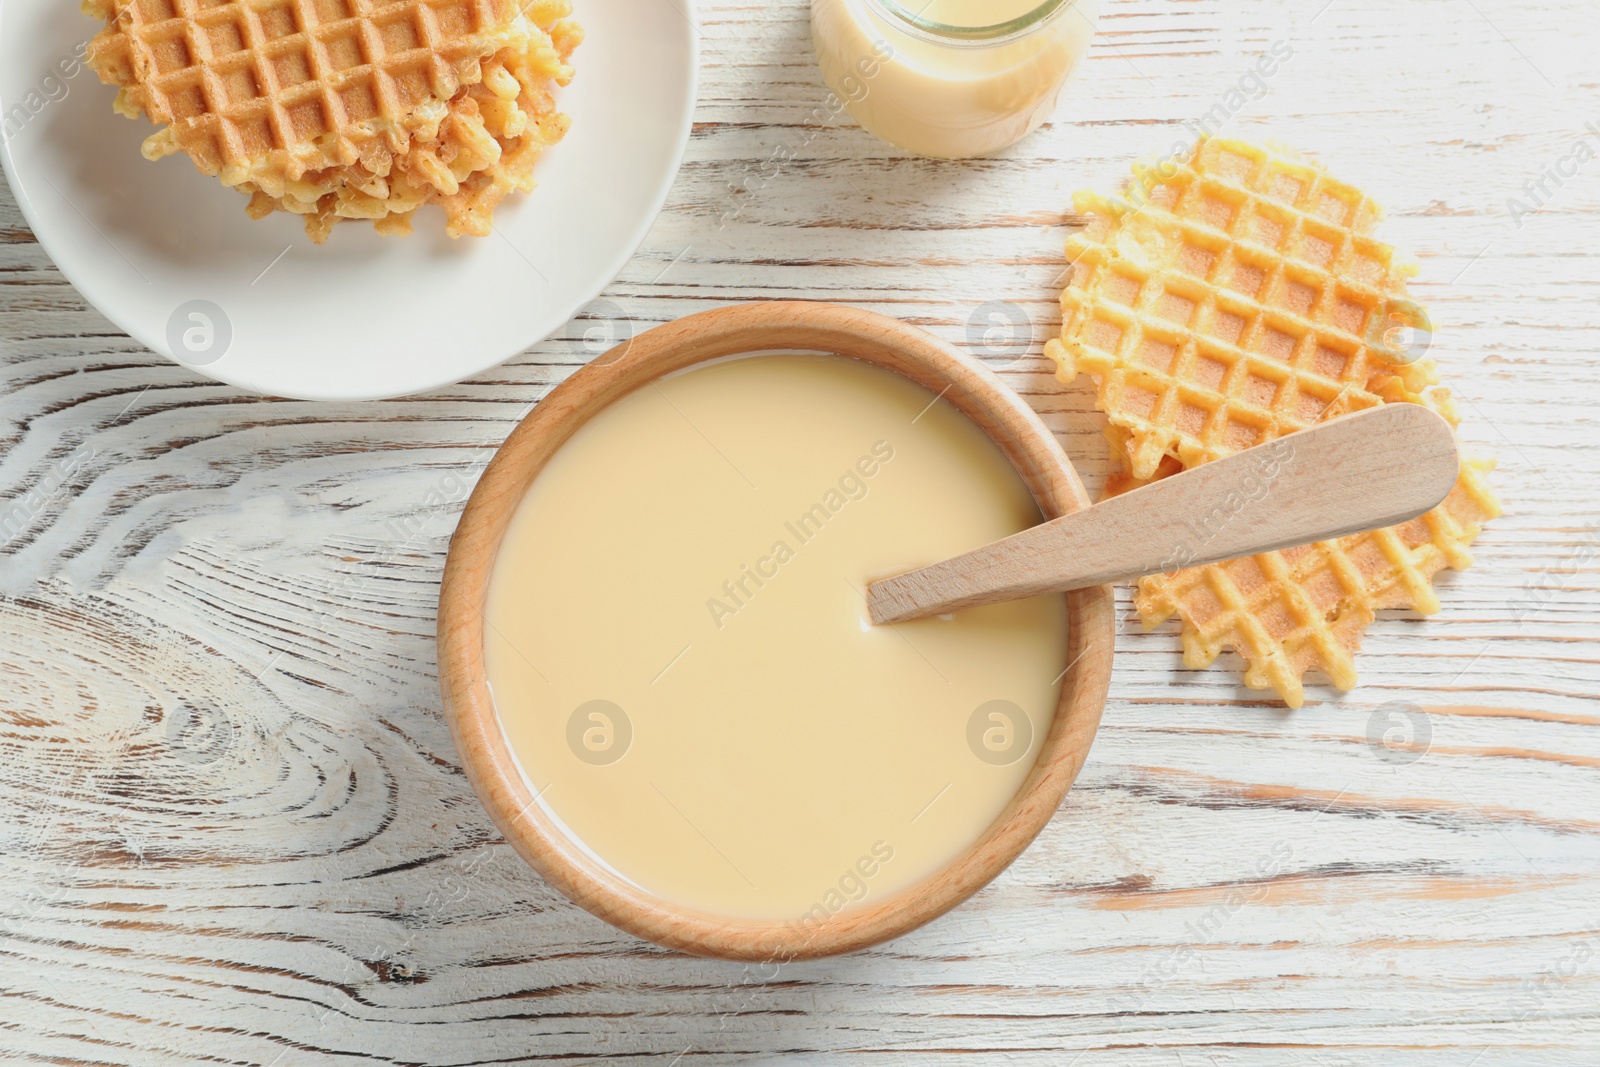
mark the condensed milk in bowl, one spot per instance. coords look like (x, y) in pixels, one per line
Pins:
(656, 654)
(950, 78)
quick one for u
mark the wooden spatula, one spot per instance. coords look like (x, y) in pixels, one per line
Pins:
(1375, 468)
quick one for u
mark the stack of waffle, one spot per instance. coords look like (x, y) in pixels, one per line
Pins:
(1226, 301)
(346, 109)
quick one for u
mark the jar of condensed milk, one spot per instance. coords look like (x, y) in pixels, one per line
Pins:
(950, 78)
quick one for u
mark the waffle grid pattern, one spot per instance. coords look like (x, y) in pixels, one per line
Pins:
(1306, 608)
(240, 80)
(485, 148)
(347, 109)
(1241, 301)
(1244, 299)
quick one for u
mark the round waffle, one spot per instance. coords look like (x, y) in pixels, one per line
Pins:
(484, 148)
(1241, 298)
(345, 108)
(1235, 299)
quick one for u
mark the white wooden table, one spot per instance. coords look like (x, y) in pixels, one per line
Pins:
(233, 830)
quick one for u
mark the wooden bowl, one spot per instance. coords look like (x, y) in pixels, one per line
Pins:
(794, 326)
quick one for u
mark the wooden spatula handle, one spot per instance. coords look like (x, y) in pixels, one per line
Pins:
(1375, 468)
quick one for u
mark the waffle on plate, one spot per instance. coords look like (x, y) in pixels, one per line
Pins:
(346, 109)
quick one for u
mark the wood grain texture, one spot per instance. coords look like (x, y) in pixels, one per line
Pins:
(235, 830)
(1378, 467)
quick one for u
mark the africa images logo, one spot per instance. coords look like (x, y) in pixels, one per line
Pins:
(738, 591)
(198, 333)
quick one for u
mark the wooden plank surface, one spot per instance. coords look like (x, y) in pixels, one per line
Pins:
(232, 827)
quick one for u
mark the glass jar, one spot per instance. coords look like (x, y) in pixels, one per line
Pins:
(950, 88)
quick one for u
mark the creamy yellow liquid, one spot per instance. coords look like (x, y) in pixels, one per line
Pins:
(948, 98)
(680, 654)
(969, 12)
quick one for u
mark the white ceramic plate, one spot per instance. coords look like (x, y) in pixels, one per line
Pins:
(169, 256)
